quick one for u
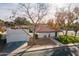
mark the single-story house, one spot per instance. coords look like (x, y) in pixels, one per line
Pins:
(45, 31)
(22, 26)
(70, 32)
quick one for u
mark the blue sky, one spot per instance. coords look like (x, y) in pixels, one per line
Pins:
(6, 8)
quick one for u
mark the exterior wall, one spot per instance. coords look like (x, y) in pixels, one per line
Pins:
(16, 35)
(40, 35)
(78, 33)
(71, 33)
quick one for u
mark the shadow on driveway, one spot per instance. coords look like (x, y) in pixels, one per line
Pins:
(11, 46)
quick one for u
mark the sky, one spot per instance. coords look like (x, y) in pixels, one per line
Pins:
(6, 8)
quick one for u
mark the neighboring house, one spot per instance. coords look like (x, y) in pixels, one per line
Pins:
(45, 31)
(71, 32)
(22, 26)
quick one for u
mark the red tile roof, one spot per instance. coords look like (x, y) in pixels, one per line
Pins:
(44, 28)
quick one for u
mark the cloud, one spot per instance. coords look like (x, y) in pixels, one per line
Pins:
(5, 9)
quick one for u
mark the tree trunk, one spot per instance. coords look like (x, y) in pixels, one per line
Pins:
(55, 34)
(75, 34)
(66, 32)
(34, 39)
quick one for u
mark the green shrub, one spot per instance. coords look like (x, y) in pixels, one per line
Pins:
(2, 41)
(66, 39)
(30, 30)
(0, 36)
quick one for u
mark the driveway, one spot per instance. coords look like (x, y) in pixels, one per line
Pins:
(14, 35)
(15, 39)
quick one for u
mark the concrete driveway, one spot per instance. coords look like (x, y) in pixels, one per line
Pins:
(15, 39)
(14, 35)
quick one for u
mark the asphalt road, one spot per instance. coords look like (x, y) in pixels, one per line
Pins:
(60, 51)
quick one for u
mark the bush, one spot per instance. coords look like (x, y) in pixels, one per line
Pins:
(0, 36)
(2, 41)
(2, 29)
(36, 36)
(30, 30)
(66, 39)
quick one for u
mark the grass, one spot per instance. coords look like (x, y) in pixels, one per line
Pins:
(66, 39)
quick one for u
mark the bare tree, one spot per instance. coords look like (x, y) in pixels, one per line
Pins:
(65, 18)
(14, 12)
(35, 13)
(75, 27)
(76, 11)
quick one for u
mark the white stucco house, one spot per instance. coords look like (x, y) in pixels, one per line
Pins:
(44, 30)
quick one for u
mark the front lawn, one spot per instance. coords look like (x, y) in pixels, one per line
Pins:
(66, 39)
